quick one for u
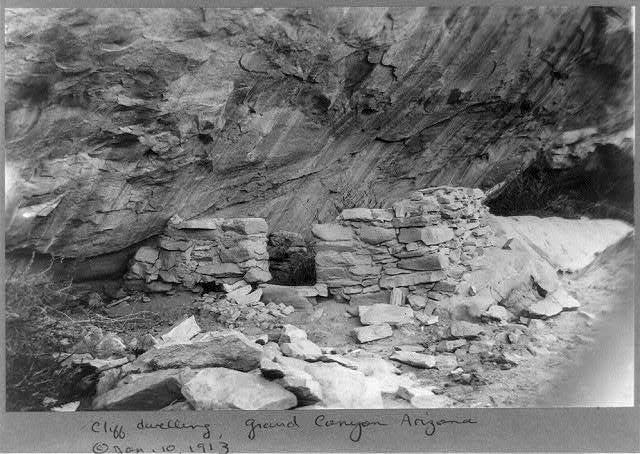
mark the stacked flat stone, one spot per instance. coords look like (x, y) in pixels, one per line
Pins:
(424, 242)
(203, 250)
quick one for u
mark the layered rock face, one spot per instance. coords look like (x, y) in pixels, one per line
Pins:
(421, 244)
(117, 120)
(203, 250)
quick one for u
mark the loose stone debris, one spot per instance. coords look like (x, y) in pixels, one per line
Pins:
(421, 268)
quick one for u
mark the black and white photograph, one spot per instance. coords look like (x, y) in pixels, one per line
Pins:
(318, 208)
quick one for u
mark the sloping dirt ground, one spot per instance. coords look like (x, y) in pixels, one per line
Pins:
(578, 358)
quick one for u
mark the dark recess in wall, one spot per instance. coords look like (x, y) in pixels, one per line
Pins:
(600, 187)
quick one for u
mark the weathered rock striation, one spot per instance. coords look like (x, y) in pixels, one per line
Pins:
(118, 119)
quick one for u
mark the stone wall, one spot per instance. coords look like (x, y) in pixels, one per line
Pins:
(200, 251)
(422, 245)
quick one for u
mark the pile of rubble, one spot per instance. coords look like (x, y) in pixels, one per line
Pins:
(185, 368)
(421, 246)
(189, 369)
(428, 267)
(242, 305)
(202, 250)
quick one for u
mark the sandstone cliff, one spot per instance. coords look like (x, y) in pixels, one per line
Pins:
(116, 120)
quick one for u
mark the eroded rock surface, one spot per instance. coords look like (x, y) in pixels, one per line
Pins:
(118, 119)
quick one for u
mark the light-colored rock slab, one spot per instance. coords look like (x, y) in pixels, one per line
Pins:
(338, 384)
(414, 359)
(219, 388)
(544, 309)
(301, 349)
(372, 332)
(181, 331)
(385, 313)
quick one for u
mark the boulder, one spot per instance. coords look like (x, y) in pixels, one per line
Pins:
(181, 331)
(291, 333)
(339, 385)
(306, 389)
(383, 373)
(150, 391)
(301, 349)
(230, 349)
(385, 313)
(414, 359)
(372, 332)
(544, 309)
(219, 388)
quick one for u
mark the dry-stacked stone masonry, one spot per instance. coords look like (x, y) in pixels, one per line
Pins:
(421, 246)
(203, 250)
